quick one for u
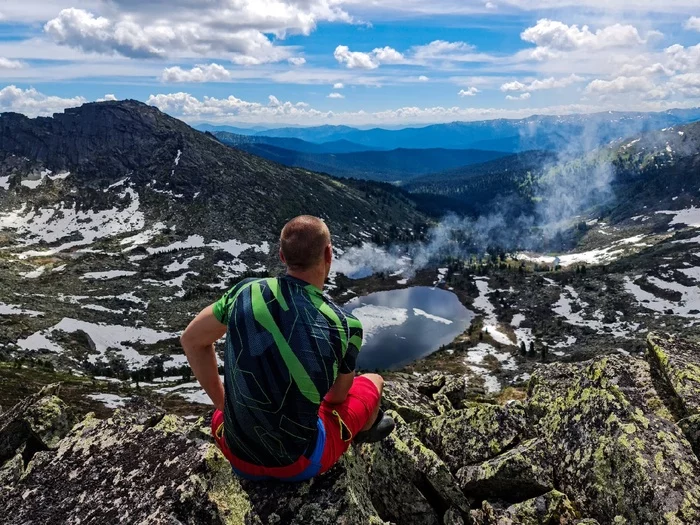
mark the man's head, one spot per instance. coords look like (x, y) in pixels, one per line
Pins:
(305, 245)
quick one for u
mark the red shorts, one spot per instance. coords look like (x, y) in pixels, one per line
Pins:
(341, 423)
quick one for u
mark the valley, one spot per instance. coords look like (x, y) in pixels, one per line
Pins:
(110, 242)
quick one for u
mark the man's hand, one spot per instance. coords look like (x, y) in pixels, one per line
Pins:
(339, 391)
(198, 342)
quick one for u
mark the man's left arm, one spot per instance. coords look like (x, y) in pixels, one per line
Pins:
(198, 342)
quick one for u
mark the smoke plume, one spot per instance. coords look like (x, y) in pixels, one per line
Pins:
(567, 189)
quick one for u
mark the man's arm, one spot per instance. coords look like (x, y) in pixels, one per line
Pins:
(198, 342)
(339, 391)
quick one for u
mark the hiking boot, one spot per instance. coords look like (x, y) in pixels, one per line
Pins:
(382, 427)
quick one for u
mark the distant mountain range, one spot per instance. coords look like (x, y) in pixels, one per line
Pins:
(386, 166)
(576, 133)
(302, 146)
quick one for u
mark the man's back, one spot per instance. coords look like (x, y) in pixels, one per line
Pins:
(285, 346)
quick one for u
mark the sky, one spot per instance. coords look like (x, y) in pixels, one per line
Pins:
(384, 63)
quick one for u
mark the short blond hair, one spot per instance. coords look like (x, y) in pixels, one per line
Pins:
(303, 241)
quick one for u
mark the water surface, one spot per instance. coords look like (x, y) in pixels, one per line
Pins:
(402, 326)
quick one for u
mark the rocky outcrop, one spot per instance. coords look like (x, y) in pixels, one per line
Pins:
(595, 442)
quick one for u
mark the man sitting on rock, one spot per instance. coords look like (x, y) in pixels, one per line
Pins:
(290, 404)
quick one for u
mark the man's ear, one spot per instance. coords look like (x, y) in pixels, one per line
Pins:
(284, 261)
(328, 254)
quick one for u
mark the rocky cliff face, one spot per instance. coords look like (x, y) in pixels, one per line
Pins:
(604, 441)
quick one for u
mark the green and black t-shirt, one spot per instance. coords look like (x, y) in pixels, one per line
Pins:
(286, 343)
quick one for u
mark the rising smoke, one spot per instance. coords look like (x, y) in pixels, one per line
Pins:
(572, 185)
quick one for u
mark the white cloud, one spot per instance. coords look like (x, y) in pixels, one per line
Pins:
(538, 85)
(559, 36)
(388, 55)
(687, 84)
(109, 97)
(619, 85)
(297, 61)
(232, 110)
(33, 103)
(490, 5)
(443, 50)
(554, 38)
(338, 85)
(371, 60)
(693, 23)
(513, 86)
(336, 95)
(201, 73)
(186, 105)
(632, 70)
(6, 63)
(523, 96)
(354, 59)
(470, 92)
(683, 58)
(236, 30)
(423, 78)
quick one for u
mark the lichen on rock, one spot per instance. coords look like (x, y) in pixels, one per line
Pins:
(599, 440)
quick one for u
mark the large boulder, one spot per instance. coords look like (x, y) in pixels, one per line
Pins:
(409, 483)
(476, 433)
(599, 440)
(36, 423)
(609, 449)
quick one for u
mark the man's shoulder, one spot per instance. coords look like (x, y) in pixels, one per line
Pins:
(342, 312)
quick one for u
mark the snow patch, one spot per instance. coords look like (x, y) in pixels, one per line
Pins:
(689, 216)
(105, 276)
(110, 401)
(106, 337)
(490, 320)
(51, 225)
(417, 311)
(11, 309)
(375, 318)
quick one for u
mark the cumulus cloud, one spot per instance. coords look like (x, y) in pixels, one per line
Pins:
(388, 55)
(423, 78)
(33, 103)
(6, 63)
(523, 96)
(233, 110)
(470, 92)
(683, 59)
(338, 85)
(693, 23)
(371, 60)
(109, 97)
(538, 85)
(442, 50)
(233, 29)
(687, 84)
(554, 39)
(186, 105)
(631, 70)
(619, 85)
(559, 36)
(201, 73)
(297, 61)
(336, 95)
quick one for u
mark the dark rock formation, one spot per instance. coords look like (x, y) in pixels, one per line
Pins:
(595, 442)
(217, 188)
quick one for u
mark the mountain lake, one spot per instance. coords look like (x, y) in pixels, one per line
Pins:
(402, 326)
